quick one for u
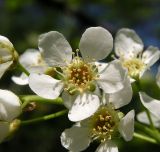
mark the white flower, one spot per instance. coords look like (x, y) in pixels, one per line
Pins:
(8, 55)
(78, 74)
(10, 108)
(103, 126)
(158, 77)
(32, 60)
(129, 48)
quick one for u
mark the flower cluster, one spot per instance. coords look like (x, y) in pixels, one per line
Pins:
(92, 90)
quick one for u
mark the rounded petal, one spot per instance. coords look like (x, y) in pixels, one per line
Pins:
(84, 106)
(143, 118)
(158, 77)
(75, 138)
(31, 57)
(151, 104)
(122, 97)
(151, 55)
(4, 130)
(96, 43)
(10, 105)
(112, 78)
(4, 67)
(127, 43)
(126, 126)
(55, 49)
(45, 86)
(108, 146)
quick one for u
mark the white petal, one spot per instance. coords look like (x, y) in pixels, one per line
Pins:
(10, 106)
(84, 106)
(151, 55)
(101, 66)
(4, 40)
(151, 104)
(68, 99)
(31, 57)
(142, 117)
(4, 67)
(75, 139)
(4, 130)
(158, 77)
(127, 43)
(55, 48)
(23, 78)
(122, 97)
(108, 146)
(45, 86)
(112, 78)
(126, 126)
(96, 43)
(20, 80)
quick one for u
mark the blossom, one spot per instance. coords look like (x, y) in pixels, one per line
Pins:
(105, 125)
(79, 76)
(10, 108)
(8, 55)
(129, 49)
(32, 60)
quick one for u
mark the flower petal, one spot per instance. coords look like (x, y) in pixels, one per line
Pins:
(84, 106)
(4, 67)
(75, 138)
(142, 117)
(20, 80)
(96, 43)
(23, 78)
(112, 78)
(4, 130)
(151, 55)
(127, 43)
(55, 48)
(122, 97)
(151, 104)
(45, 86)
(31, 57)
(108, 146)
(68, 99)
(126, 126)
(101, 66)
(158, 77)
(10, 105)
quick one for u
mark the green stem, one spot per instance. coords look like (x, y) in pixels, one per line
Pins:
(22, 68)
(150, 119)
(34, 98)
(44, 118)
(144, 137)
(153, 133)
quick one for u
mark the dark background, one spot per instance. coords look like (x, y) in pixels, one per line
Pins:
(23, 20)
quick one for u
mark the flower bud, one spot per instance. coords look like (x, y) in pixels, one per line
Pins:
(8, 55)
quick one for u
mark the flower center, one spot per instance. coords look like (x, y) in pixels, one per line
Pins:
(134, 66)
(80, 75)
(104, 123)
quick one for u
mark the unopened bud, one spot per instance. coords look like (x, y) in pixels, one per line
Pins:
(8, 55)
